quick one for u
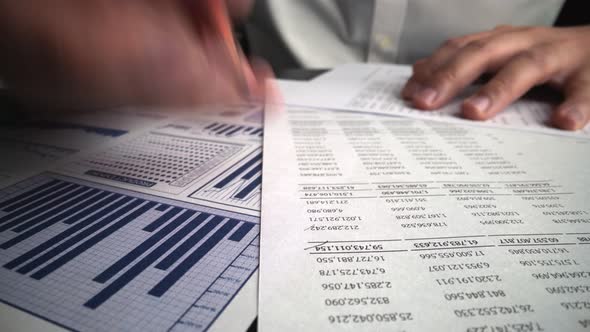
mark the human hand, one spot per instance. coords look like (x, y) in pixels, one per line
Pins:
(521, 58)
(105, 53)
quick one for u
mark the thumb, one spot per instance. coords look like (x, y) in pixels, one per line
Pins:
(574, 112)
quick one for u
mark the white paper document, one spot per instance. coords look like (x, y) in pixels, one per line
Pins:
(378, 223)
(376, 89)
(131, 221)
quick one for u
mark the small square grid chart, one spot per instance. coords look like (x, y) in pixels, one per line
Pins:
(93, 257)
(160, 159)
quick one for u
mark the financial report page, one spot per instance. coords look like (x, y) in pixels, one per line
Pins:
(381, 223)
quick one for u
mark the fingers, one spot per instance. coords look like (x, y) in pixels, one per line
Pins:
(526, 70)
(425, 67)
(574, 112)
(522, 58)
(439, 86)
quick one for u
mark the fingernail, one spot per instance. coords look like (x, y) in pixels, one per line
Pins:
(426, 95)
(575, 116)
(480, 103)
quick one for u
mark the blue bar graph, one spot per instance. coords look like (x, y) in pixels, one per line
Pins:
(250, 188)
(257, 132)
(55, 219)
(140, 266)
(62, 236)
(39, 217)
(233, 175)
(188, 243)
(253, 172)
(239, 234)
(80, 244)
(162, 207)
(22, 206)
(230, 130)
(69, 243)
(211, 125)
(218, 127)
(64, 259)
(145, 246)
(179, 271)
(93, 209)
(60, 207)
(28, 194)
(234, 131)
(162, 219)
(237, 186)
(226, 129)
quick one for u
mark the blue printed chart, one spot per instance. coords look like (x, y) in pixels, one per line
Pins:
(93, 257)
(238, 186)
(231, 130)
(217, 129)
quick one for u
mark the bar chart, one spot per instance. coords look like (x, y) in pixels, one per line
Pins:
(157, 160)
(232, 130)
(92, 257)
(216, 128)
(237, 186)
